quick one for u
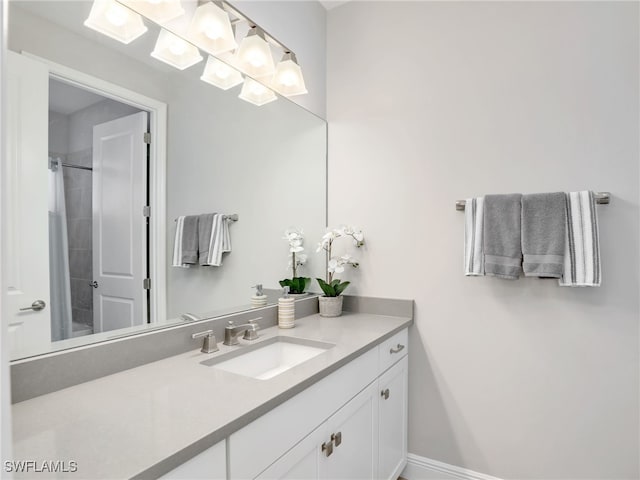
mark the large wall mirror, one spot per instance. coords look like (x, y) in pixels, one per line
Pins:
(92, 210)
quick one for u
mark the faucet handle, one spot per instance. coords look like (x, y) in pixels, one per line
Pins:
(202, 334)
(209, 345)
(230, 323)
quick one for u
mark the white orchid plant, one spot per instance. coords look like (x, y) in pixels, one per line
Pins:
(295, 238)
(333, 287)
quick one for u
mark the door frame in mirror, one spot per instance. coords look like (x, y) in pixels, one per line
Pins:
(157, 170)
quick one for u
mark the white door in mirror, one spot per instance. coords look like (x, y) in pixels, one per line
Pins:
(119, 232)
(25, 232)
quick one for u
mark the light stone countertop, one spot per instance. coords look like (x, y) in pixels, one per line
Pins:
(147, 420)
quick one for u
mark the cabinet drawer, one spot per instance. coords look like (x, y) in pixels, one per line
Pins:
(393, 349)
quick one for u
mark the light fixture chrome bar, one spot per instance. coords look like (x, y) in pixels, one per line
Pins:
(601, 198)
(242, 17)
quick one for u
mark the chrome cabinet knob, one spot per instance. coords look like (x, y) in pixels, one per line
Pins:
(35, 306)
(94, 284)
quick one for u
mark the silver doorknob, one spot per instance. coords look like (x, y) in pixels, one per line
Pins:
(37, 306)
(94, 284)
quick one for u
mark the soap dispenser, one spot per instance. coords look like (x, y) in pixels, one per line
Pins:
(259, 299)
(286, 310)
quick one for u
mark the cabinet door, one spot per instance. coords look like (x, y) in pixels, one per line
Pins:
(210, 464)
(301, 462)
(392, 413)
(355, 439)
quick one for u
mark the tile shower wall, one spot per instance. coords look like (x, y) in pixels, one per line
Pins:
(78, 192)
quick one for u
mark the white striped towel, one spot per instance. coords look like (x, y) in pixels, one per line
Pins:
(473, 251)
(582, 242)
(177, 244)
(220, 241)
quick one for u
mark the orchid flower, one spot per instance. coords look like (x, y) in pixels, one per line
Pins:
(336, 265)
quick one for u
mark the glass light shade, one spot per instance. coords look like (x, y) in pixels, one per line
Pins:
(220, 74)
(256, 93)
(114, 20)
(211, 30)
(160, 11)
(175, 51)
(253, 56)
(288, 80)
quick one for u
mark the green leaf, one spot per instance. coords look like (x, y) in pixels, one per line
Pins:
(341, 288)
(326, 288)
(285, 283)
(299, 284)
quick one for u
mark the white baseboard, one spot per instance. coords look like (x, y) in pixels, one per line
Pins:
(421, 468)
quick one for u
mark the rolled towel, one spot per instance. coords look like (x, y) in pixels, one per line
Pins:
(205, 225)
(190, 240)
(177, 244)
(544, 220)
(501, 230)
(473, 254)
(582, 242)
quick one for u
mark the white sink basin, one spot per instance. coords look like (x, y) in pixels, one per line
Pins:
(270, 357)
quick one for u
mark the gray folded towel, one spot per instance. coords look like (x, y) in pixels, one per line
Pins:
(205, 224)
(502, 249)
(190, 240)
(544, 220)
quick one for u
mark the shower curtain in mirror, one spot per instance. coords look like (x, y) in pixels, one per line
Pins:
(60, 285)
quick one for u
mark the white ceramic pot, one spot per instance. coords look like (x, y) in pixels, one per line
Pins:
(330, 306)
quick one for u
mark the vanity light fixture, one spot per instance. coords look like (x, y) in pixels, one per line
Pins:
(256, 93)
(220, 74)
(253, 57)
(114, 20)
(175, 51)
(288, 80)
(211, 30)
(160, 11)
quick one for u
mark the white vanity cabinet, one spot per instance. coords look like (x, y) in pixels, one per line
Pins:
(358, 420)
(342, 447)
(210, 464)
(392, 420)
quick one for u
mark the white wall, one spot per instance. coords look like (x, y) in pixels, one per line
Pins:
(430, 102)
(301, 26)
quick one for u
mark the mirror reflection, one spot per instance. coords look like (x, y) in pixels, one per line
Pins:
(105, 201)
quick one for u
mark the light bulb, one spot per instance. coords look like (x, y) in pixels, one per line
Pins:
(221, 74)
(177, 47)
(254, 54)
(213, 31)
(255, 57)
(175, 51)
(210, 29)
(288, 79)
(113, 20)
(160, 11)
(116, 15)
(256, 93)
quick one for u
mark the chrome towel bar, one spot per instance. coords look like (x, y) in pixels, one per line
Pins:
(602, 198)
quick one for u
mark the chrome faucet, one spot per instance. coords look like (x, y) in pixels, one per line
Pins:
(232, 331)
